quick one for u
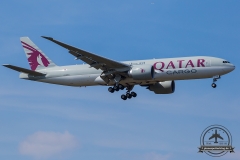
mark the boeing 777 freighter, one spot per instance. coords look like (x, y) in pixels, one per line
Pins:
(158, 75)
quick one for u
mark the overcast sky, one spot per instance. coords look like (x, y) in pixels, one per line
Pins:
(44, 121)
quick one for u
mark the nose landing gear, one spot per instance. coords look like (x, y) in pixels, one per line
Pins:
(215, 78)
(214, 85)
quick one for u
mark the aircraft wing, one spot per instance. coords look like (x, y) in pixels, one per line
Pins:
(219, 136)
(93, 60)
(213, 136)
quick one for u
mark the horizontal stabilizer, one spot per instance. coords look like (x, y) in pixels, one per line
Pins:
(23, 70)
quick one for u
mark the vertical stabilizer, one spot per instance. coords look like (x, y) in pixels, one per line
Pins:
(36, 58)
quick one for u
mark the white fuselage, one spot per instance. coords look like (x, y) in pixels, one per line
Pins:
(165, 69)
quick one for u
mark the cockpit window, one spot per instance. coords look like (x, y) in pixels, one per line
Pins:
(226, 62)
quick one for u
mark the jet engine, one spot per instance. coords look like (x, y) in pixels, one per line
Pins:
(165, 87)
(142, 72)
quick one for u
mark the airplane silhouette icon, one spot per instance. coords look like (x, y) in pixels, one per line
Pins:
(216, 136)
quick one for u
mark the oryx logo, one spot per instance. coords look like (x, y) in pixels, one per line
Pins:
(142, 70)
(216, 141)
(35, 57)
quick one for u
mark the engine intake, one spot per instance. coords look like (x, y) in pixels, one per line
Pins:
(142, 72)
(165, 87)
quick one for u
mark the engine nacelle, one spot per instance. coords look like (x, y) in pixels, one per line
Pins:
(142, 72)
(165, 87)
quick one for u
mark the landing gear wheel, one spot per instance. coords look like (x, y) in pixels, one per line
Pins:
(116, 88)
(120, 86)
(124, 97)
(129, 96)
(110, 89)
(134, 94)
(214, 85)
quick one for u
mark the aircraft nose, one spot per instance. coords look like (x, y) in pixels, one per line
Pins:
(229, 68)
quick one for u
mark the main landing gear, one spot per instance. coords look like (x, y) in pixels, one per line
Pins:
(115, 88)
(215, 78)
(128, 95)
